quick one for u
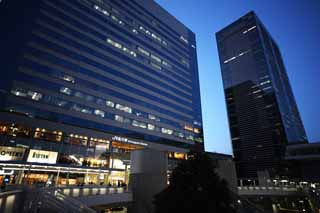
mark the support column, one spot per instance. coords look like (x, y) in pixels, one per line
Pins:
(20, 175)
(148, 177)
(57, 179)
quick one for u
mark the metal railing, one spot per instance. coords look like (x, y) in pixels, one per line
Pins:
(43, 199)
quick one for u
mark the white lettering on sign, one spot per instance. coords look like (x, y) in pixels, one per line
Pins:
(11, 153)
(126, 140)
(41, 156)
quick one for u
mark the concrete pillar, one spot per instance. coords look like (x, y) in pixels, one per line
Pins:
(148, 177)
(20, 176)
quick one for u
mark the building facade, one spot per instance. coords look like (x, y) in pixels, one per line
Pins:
(85, 82)
(262, 112)
(303, 161)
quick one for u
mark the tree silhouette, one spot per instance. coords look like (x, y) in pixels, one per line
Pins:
(195, 187)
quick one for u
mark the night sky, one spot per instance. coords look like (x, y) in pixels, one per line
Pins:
(294, 24)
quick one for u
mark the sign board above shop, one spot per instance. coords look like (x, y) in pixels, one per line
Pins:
(8, 153)
(127, 140)
(41, 156)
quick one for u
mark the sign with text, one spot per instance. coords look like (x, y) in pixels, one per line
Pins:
(8, 153)
(41, 156)
(127, 140)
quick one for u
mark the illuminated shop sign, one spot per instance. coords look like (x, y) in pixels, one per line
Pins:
(40, 156)
(126, 140)
(6, 172)
(11, 153)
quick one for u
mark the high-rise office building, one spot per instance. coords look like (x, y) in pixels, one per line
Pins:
(262, 112)
(87, 81)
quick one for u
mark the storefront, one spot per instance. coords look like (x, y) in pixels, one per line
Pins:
(87, 161)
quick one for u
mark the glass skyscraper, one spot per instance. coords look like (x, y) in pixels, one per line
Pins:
(84, 78)
(262, 112)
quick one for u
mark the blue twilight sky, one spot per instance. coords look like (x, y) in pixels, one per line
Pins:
(294, 24)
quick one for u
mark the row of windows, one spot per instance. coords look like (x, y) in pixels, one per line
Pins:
(94, 25)
(148, 33)
(141, 28)
(183, 105)
(100, 113)
(17, 130)
(235, 57)
(94, 52)
(141, 50)
(121, 47)
(87, 97)
(248, 30)
(43, 113)
(141, 16)
(67, 91)
(54, 87)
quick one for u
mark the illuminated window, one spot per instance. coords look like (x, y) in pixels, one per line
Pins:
(14, 130)
(78, 108)
(133, 54)
(3, 128)
(99, 113)
(152, 117)
(196, 130)
(256, 91)
(189, 128)
(166, 131)
(110, 104)
(98, 140)
(234, 57)
(151, 127)
(156, 37)
(113, 43)
(68, 78)
(119, 118)
(35, 95)
(27, 93)
(265, 82)
(122, 47)
(184, 39)
(48, 135)
(65, 90)
(19, 92)
(199, 140)
(86, 110)
(60, 103)
(124, 108)
(153, 35)
(77, 139)
(190, 137)
(114, 18)
(248, 30)
(166, 64)
(143, 51)
(156, 58)
(139, 124)
(179, 134)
